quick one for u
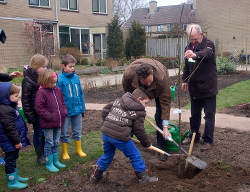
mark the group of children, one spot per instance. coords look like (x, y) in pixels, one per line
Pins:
(52, 103)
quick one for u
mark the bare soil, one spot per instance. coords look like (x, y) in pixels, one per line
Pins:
(228, 161)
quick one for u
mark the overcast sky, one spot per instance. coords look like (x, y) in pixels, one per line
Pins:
(169, 2)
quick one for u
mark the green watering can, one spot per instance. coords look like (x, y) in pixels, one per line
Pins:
(173, 92)
(174, 130)
(23, 115)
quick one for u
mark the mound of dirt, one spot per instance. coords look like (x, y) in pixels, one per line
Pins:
(228, 161)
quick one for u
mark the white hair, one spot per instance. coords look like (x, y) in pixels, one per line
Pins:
(193, 25)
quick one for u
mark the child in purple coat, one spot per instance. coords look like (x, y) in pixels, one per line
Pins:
(52, 110)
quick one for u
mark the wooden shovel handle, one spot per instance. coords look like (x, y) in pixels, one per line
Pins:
(156, 127)
(191, 145)
(153, 148)
(190, 149)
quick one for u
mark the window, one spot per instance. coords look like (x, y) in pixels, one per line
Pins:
(169, 27)
(148, 29)
(69, 4)
(160, 28)
(44, 39)
(44, 3)
(99, 6)
(79, 37)
(183, 27)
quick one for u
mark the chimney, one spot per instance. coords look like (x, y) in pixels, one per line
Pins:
(152, 6)
(194, 4)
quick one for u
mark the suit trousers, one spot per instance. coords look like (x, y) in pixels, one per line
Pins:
(209, 106)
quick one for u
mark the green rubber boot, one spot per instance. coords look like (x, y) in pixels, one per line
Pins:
(13, 183)
(56, 161)
(50, 165)
(19, 178)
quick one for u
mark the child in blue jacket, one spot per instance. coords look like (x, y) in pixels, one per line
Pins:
(73, 95)
(13, 132)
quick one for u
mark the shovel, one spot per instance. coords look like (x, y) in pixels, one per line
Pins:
(168, 137)
(190, 159)
(157, 149)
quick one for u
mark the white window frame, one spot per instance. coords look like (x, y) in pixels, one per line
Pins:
(39, 4)
(148, 29)
(169, 27)
(160, 28)
(98, 11)
(68, 5)
(183, 27)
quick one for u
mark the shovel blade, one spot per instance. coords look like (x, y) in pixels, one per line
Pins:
(196, 162)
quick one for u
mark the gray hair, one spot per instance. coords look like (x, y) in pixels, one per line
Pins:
(195, 26)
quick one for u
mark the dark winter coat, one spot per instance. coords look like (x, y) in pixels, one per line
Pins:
(203, 82)
(13, 129)
(123, 117)
(5, 77)
(160, 87)
(29, 91)
(50, 107)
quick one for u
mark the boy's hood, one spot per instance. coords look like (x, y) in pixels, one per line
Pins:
(5, 93)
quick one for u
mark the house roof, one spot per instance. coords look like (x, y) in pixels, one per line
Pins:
(163, 15)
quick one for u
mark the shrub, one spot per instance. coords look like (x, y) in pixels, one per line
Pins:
(100, 62)
(84, 61)
(123, 61)
(72, 51)
(225, 65)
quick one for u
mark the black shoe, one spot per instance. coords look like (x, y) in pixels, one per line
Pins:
(206, 147)
(144, 177)
(97, 174)
(188, 140)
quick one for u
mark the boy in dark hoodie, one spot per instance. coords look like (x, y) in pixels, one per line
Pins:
(13, 132)
(122, 118)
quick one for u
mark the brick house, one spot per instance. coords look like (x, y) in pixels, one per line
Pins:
(161, 20)
(82, 22)
(227, 21)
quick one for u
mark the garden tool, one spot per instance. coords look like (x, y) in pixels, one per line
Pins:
(157, 149)
(168, 138)
(190, 159)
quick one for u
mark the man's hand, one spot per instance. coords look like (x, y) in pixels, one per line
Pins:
(15, 74)
(184, 87)
(189, 54)
(166, 133)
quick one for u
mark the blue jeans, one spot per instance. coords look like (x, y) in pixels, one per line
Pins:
(52, 137)
(38, 137)
(127, 147)
(76, 124)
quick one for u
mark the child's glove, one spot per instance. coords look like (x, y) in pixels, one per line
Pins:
(82, 114)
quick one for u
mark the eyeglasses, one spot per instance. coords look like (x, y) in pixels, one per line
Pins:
(195, 39)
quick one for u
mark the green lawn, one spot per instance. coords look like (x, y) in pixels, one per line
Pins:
(232, 95)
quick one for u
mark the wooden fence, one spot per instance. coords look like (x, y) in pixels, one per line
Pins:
(169, 47)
